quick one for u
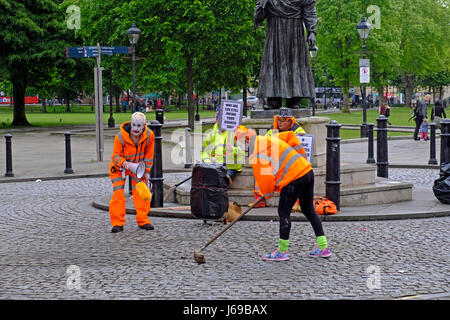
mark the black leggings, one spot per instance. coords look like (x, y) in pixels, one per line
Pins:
(302, 189)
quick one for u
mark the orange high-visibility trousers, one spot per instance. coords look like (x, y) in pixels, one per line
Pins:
(117, 202)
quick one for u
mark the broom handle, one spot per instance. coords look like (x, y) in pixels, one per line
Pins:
(231, 224)
(174, 187)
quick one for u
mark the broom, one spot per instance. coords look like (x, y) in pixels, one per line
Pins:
(200, 258)
(174, 187)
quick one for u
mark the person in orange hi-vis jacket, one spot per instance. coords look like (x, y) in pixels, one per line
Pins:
(292, 140)
(133, 144)
(277, 167)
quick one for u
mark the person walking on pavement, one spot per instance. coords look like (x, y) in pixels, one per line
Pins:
(424, 130)
(420, 114)
(279, 168)
(438, 113)
(133, 144)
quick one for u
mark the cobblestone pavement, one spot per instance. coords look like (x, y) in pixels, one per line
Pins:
(55, 245)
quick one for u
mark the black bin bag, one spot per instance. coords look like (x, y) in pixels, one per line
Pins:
(441, 187)
(209, 197)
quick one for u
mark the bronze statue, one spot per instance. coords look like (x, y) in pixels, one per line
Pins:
(285, 71)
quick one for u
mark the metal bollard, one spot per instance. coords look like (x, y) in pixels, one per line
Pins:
(68, 168)
(445, 141)
(156, 173)
(159, 113)
(382, 147)
(433, 159)
(333, 163)
(187, 136)
(370, 158)
(9, 171)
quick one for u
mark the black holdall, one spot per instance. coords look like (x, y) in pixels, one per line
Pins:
(209, 196)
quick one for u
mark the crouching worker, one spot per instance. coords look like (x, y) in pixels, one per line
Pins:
(277, 167)
(133, 144)
(219, 147)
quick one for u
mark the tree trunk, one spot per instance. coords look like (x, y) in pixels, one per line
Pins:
(244, 94)
(190, 90)
(380, 94)
(67, 103)
(345, 101)
(44, 105)
(117, 97)
(408, 84)
(19, 90)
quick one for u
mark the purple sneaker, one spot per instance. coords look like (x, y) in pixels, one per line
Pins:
(320, 253)
(276, 256)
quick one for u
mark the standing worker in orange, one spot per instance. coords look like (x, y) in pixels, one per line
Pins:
(277, 167)
(133, 144)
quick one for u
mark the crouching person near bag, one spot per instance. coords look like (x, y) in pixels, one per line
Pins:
(133, 144)
(277, 167)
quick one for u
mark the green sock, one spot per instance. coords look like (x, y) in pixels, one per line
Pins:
(322, 242)
(283, 245)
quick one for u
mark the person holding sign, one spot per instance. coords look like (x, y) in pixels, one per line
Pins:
(279, 168)
(220, 147)
(285, 121)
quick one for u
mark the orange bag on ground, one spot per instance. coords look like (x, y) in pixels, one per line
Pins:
(324, 206)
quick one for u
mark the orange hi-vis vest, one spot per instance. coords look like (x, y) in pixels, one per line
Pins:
(275, 164)
(292, 140)
(125, 150)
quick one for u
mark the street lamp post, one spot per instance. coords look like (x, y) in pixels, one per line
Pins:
(133, 36)
(363, 29)
(197, 115)
(313, 52)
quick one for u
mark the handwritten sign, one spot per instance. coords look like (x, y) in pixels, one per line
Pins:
(230, 115)
(307, 141)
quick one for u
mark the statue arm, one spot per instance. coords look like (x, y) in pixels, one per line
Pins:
(260, 13)
(310, 20)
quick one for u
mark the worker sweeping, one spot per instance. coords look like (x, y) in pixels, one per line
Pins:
(277, 167)
(133, 144)
(284, 121)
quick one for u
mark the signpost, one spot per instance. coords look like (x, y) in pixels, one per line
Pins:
(90, 52)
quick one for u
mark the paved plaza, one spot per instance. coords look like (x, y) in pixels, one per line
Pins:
(56, 245)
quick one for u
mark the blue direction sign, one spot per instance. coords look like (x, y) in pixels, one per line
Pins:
(92, 51)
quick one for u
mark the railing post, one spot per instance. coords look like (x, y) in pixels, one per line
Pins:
(370, 158)
(9, 171)
(159, 114)
(445, 141)
(433, 159)
(68, 168)
(187, 137)
(333, 163)
(156, 173)
(382, 147)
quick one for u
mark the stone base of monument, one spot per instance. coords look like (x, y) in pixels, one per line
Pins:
(268, 114)
(359, 186)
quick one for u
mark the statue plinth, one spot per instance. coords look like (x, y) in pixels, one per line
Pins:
(269, 114)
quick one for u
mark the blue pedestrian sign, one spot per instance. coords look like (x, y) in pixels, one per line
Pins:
(92, 51)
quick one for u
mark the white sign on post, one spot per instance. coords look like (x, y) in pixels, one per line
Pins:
(364, 74)
(307, 141)
(230, 115)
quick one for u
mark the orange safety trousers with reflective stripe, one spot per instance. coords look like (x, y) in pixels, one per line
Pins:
(125, 150)
(292, 140)
(275, 164)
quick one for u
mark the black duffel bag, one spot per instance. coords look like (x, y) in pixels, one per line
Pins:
(441, 187)
(209, 196)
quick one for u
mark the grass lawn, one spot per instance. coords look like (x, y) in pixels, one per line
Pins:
(55, 118)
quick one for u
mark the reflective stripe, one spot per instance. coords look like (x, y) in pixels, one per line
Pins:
(298, 148)
(117, 179)
(287, 166)
(122, 186)
(268, 195)
(116, 159)
(148, 160)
